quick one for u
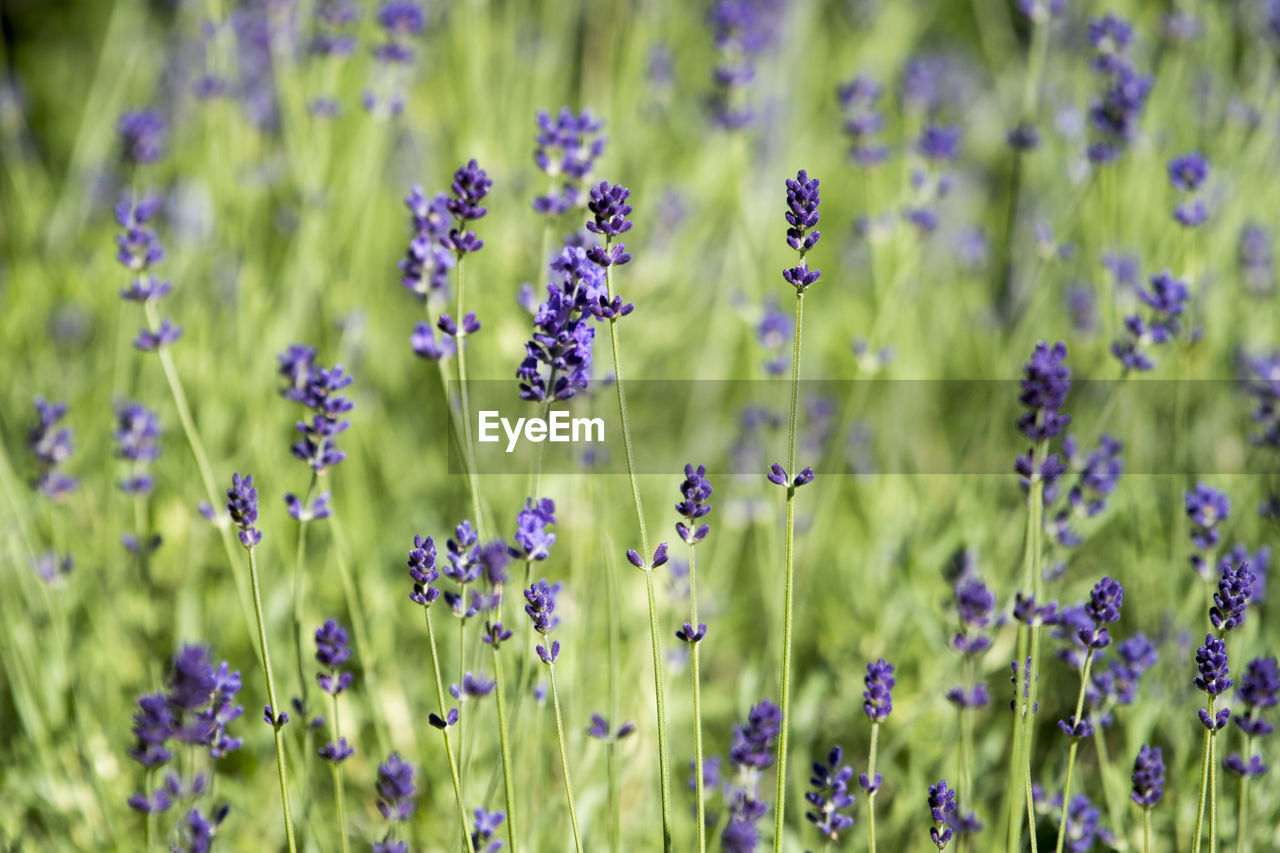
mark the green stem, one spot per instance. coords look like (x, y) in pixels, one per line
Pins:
(448, 749)
(201, 457)
(660, 698)
(1071, 754)
(780, 800)
(467, 450)
(871, 795)
(1242, 806)
(564, 759)
(462, 665)
(337, 780)
(1205, 761)
(1213, 792)
(966, 734)
(271, 697)
(1146, 830)
(697, 706)
(507, 782)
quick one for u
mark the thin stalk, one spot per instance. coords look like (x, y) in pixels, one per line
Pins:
(966, 734)
(655, 642)
(1071, 753)
(201, 457)
(871, 795)
(462, 665)
(271, 697)
(564, 759)
(1205, 762)
(466, 405)
(1213, 792)
(1114, 806)
(448, 749)
(1146, 831)
(507, 785)
(299, 561)
(697, 705)
(337, 780)
(781, 802)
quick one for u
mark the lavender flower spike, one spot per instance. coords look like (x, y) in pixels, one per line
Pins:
(802, 233)
(942, 808)
(1148, 777)
(242, 506)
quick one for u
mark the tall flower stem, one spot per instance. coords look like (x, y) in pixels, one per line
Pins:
(564, 759)
(508, 789)
(871, 795)
(336, 767)
(462, 666)
(201, 457)
(655, 642)
(1206, 788)
(697, 705)
(781, 802)
(463, 396)
(448, 748)
(1028, 646)
(1071, 754)
(1146, 830)
(276, 725)
(299, 561)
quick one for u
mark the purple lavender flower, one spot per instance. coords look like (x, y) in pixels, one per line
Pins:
(802, 233)
(242, 506)
(1148, 777)
(1167, 300)
(696, 489)
(332, 652)
(426, 263)
(599, 730)
(422, 569)
(196, 832)
(974, 605)
(938, 143)
(470, 186)
(878, 695)
(1102, 609)
(472, 687)
(1263, 384)
(138, 435)
(396, 789)
(942, 807)
(1188, 171)
(567, 148)
(540, 607)
(1116, 684)
(609, 207)
(484, 829)
(1109, 36)
(153, 724)
(1259, 689)
(1213, 678)
(830, 797)
(753, 743)
(336, 753)
(333, 20)
(318, 391)
(1231, 601)
(141, 137)
(52, 446)
(1207, 508)
(533, 540)
(1255, 256)
(138, 249)
(1045, 384)
(562, 341)
(1083, 827)
(863, 121)
(742, 30)
(1115, 115)
(400, 21)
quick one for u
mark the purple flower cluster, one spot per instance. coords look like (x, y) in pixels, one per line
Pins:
(142, 135)
(51, 444)
(752, 751)
(1098, 474)
(974, 605)
(1213, 677)
(741, 30)
(942, 808)
(830, 797)
(1115, 113)
(567, 149)
(195, 709)
(1231, 601)
(137, 435)
(600, 730)
(1046, 381)
(242, 506)
(138, 249)
(1255, 256)
(1188, 173)
(332, 21)
(484, 829)
(396, 800)
(540, 606)
(316, 388)
(561, 346)
(802, 231)
(1167, 300)
(400, 20)
(1263, 385)
(533, 540)
(696, 490)
(1116, 684)
(426, 263)
(1259, 689)
(1207, 508)
(1148, 777)
(859, 100)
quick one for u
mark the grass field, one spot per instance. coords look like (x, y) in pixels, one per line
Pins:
(992, 175)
